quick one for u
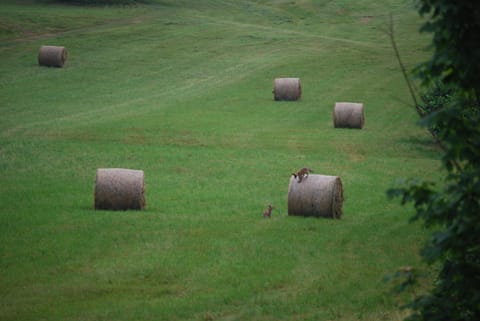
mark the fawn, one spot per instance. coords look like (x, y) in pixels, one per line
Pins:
(268, 212)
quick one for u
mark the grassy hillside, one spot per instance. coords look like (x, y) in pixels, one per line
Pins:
(182, 90)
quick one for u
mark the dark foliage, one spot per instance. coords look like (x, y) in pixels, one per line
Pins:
(436, 97)
(453, 208)
(456, 37)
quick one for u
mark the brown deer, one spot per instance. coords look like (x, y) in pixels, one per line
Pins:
(301, 174)
(268, 212)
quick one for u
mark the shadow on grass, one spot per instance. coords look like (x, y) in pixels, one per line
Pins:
(424, 145)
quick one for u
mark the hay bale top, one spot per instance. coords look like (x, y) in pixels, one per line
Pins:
(345, 104)
(120, 170)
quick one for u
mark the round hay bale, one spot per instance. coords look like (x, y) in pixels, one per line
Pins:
(287, 89)
(52, 56)
(119, 189)
(348, 115)
(316, 195)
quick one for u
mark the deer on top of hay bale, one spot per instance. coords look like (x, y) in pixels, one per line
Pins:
(317, 196)
(268, 211)
(302, 173)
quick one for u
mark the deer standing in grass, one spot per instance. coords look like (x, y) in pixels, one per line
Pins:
(302, 173)
(268, 212)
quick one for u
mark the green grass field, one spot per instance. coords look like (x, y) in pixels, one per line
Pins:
(183, 91)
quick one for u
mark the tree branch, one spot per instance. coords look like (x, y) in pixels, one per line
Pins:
(391, 34)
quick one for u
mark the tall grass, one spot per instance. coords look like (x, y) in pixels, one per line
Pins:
(182, 90)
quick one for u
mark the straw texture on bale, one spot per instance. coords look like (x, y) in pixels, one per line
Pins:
(316, 195)
(287, 89)
(119, 189)
(348, 115)
(52, 56)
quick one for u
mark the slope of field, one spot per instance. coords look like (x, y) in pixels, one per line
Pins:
(183, 90)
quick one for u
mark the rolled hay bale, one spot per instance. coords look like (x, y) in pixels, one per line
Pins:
(52, 56)
(316, 195)
(287, 89)
(119, 189)
(348, 115)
